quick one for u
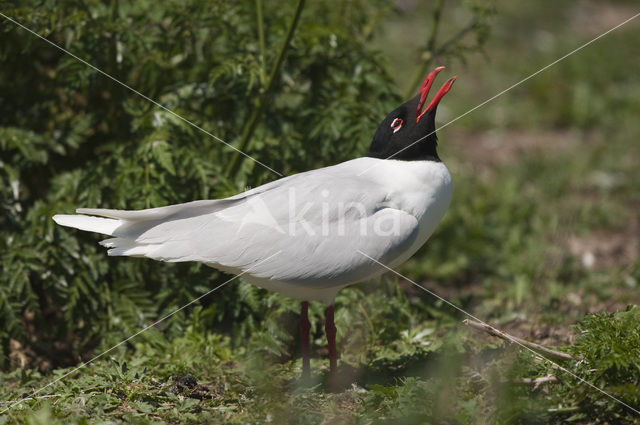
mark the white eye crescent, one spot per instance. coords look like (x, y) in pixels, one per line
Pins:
(397, 124)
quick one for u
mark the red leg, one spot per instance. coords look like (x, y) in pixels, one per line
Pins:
(330, 330)
(304, 339)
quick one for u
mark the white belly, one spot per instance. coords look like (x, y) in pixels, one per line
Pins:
(430, 205)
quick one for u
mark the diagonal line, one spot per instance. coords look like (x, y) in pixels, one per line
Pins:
(381, 264)
(577, 49)
(138, 333)
(502, 333)
(159, 105)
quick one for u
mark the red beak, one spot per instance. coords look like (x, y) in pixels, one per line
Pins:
(424, 92)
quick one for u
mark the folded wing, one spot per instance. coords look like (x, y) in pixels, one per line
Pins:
(312, 225)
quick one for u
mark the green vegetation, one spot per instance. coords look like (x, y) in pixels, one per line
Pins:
(542, 239)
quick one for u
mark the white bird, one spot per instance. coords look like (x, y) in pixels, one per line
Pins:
(308, 235)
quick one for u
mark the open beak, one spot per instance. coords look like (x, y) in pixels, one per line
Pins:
(424, 92)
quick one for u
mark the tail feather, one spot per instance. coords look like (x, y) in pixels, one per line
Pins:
(148, 233)
(130, 250)
(106, 226)
(126, 246)
(111, 243)
(127, 227)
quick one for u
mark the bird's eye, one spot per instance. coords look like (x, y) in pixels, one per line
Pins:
(397, 124)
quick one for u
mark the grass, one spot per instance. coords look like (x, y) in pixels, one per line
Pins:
(543, 231)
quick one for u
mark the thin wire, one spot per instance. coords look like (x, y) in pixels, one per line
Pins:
(511, 87)
(383, 265)
(505, 334)
(136, 334)
(140, 94)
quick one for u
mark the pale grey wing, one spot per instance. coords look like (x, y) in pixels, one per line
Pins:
(312, 230)
(311, 226)
(184, 210)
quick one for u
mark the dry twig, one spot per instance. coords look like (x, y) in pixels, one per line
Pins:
(32, 398)
(554, 354)
(536, 382)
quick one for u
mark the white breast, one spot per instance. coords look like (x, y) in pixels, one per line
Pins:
(420, 188)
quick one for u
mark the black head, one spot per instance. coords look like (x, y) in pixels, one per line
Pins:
(409, 133)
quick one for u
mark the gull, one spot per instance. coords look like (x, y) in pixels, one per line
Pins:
(308, 235)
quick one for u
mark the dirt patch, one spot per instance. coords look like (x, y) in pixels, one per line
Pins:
(606, 248)
(571, 307)
(545, 334)
(187, 386)
(483, 151)
(594, 18)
